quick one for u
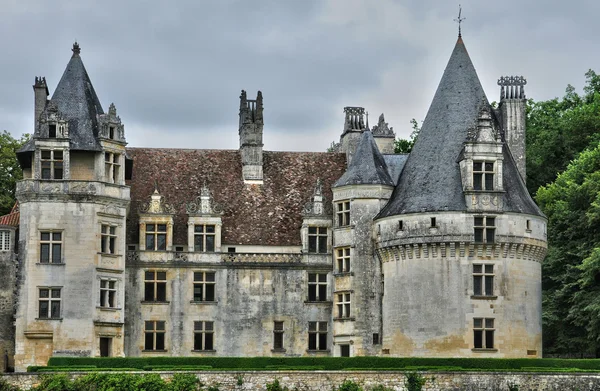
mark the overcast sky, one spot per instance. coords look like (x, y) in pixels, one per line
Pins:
(174, 69)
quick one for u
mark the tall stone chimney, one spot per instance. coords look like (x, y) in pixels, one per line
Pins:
(40, 93)
(354, 125)
(512, 113)
(251, 138)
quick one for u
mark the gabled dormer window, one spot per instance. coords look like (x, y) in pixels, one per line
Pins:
(52, 131)
(52, 164)
(483, 175)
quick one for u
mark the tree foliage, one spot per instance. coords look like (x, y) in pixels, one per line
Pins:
(405, 146)
(10, 171)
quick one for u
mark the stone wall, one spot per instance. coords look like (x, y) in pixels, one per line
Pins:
(329, 380)
(8, 271)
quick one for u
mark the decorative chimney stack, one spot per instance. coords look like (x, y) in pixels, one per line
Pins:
(512, 113)
(40, 93)
(354, 125)
(251, 136)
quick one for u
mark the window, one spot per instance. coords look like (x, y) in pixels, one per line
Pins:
(317, 240)
(203, 335)
(277, 335)
(343, 305)
(317, 287)
(111, 132)
(49, 303)
(204, 286)
(483, 333)
(400, 225)
(433, 222)
(342, 257)
(108, 238)
(376, 339)
(343, 213)
(52, 164)
(204, 237)
(50, 247)
(528, 226)
(108, 293)
(483, 175)
(111, 167)
(485, 230)
(154, 335)
(483, 280)
(156, 237)
(105, 347)
(52, 131)
(4, 240)
(317, 335)
(155, 286)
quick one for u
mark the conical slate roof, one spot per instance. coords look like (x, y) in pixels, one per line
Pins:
(431, 179)
(367, 167)
(76, 99)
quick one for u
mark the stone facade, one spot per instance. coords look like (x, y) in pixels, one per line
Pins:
(144, 252)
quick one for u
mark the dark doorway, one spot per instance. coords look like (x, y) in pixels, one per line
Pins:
(345, 350)
(105, 347)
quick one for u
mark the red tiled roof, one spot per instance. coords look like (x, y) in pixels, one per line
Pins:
(12, 218)
(268, 214)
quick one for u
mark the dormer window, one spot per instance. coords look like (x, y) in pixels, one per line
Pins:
(156, 237)
(111, 132)
(52, 131)
(52, 164)
(317, 240)
(484, 229)
(483, 175)
(111, 167)
(204, 237)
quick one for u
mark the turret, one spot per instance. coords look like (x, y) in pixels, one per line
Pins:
(251, 133)
(512, 114)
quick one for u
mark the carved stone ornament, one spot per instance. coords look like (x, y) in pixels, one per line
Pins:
(382, 127)
(316, 205)
(203, 204)
(157, 205)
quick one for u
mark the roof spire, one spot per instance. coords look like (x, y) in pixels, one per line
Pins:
(76, 49)
(459, 20)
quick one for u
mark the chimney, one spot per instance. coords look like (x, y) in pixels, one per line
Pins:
(512, 111)
(251, 134)
(40, 92)
(354, 125)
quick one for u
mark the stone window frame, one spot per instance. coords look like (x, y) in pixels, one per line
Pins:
(204, 336)
(51, 298)
(157, 284)
(155, 233)
(156, 330)
(108, 238)
(5, 240)
(342, 213)
(343, 259)
(203, 284)
(51, 242)
(204, 220)
(484, 229)
(483, 280)
(343, 304)
(318, 239)
(161, 219)
(318, 287)
(278, 336)
(483, 176)
(484, 334)
(48, 161)
(317, 336)
(108, 294)
(208, 230)
(112, 167)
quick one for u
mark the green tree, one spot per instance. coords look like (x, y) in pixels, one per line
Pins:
(405, 146)
(10, 171)
(571, 270)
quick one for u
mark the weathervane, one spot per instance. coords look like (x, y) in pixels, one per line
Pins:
(459, 19)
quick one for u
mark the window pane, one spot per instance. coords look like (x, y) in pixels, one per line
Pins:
(490, 221)
(111, 299)
(149, 275)
(477, 285)
(322, 326)
(45, 235)
(43, 309)
(489, 339)
(489, 235)
(278, 341)
(489, 166)
(477, 339)
(322, 341)
(478, 235)
(208, 326)
(160, 325)
(160, 341)
(477, 181)
(477, 166)
(161, 291)
(322, 277)
(161, 275)
(161, 228)
(58, 173)
(208, 341)
(198, 243)
(198, 292)
(55, 309)
(312, 230)
(46, 155)
(478, 221)
(312, 326)
(476, 268)
(312, 244)
(312, 278)
(322, 292)
(55, 293)
(56, 253)
(149, 291)
(210, 292)
(312, 341)
(312, 293)
(489, 181)
(322, 244)
(278, 326)
(56, 236)
(489, 323)
(148, 325)
(489, 269)
(149, 227)
(489, 285)
(58, 155)
(44, 293)
(45, 253)
(198, 341)
(197, 325)
(198, 276)
(477, 322)
(210, 229)
(198, 228)
(149, 341)
(161, 242)
(210, 276)
(210, 243)
(149, 242)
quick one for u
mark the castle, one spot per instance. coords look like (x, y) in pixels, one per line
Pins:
(178, 252)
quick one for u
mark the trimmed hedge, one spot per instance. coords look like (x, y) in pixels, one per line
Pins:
(326, 363)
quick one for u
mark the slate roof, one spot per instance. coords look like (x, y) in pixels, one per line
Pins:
(431, 178)
(367, 166)
(395, 164)
(77, 101)
(268, 214)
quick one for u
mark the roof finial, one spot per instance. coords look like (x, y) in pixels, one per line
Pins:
(76, 49)
(368, 121)
(459, 20)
